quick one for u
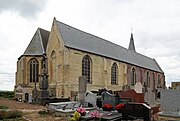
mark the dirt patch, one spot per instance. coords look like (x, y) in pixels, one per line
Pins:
(15, 105)
(30, 111)
(37, 117)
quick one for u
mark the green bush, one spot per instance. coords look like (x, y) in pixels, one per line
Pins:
(3, 107)
(43, 112)
(10, 114)
(2, 114)
(7, 94)
(14, 114)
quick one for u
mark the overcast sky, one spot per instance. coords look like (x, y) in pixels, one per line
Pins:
(155, 23)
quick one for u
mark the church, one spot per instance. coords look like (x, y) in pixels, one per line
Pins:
(72, 53)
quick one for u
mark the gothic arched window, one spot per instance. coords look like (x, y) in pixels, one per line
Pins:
(141, 73)
(159, 79)
(154, 81)
(33, 70)
(147, 79)
(86, 68)
(133, 76)
(52, 66)
(114, 72)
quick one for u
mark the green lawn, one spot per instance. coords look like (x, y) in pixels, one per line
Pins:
(2, 107)
(10, 115)
(16, 119)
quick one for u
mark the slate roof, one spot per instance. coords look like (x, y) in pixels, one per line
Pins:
(38, 44)
(77, 39)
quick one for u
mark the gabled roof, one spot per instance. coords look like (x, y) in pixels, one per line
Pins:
(38, 44)
(77, 39)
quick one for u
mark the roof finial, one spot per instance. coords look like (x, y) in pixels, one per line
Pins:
(131, 30)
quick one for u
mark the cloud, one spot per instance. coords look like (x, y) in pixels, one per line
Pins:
(15, 36)
(25, 8)
(155, 27)
(6, 81)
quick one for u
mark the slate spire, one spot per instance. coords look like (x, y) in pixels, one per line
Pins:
(131, 44)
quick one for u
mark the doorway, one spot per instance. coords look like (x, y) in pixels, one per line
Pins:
(26, 97)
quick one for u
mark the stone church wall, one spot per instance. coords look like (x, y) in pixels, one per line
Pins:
(22, 75)
(55, 53)
(100, 71)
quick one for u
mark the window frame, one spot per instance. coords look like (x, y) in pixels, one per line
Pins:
(114, 74)
(133, 76)
(33, 70)
(159, 79)
(147, 79)
(86, 68)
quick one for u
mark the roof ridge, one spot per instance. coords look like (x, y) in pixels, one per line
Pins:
(44, 37)
(158, 65)
(40, 35)
(30, 42)
(36, 45)
(141, 54)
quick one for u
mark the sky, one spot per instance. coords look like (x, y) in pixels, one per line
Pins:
(155, 25)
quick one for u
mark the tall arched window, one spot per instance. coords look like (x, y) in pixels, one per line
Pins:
(52, 66)
(33, 70)
(159, 79)
(86, 68)
(147, 79)
(141, 71)
(53, 54)
(114, 73)
(133, 76)
(154, 81)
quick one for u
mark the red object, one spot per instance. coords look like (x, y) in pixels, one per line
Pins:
(120, 106)
(136, 97)
(107, 106)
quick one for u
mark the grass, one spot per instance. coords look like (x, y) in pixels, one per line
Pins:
(16, 119)
(3, 107)
(15, 114)
(43, 112)
(9, 115)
